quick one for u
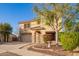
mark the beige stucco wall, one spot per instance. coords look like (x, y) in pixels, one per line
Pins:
(42, 24)
(21, 26)
(33, 38)
(34, 24)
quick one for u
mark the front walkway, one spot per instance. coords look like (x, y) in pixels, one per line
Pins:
(13, 49)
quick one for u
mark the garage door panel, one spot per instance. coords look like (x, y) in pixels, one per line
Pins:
(27, 38)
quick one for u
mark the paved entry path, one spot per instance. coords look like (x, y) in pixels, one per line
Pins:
(13, 49)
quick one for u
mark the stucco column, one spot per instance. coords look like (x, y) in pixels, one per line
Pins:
(37, 37)
(33, 37)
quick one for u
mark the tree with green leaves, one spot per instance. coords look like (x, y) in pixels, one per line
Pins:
(8, 30)
(5, 30)
(54, 14)
(1, 33)
(69, 40)
(69, 26)
(76, 29)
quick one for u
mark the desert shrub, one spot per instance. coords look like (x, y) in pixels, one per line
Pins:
(69, 40)
(47, 37)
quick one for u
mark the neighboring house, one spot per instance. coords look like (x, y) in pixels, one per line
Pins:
(33, 31)
(11, 38)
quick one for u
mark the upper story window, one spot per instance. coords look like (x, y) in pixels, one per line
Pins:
(26, 26)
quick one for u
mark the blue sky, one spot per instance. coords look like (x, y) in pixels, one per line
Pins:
(14, 13)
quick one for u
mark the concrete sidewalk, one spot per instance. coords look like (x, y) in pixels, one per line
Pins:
(15, 48)
(25, 52)
(2, 51)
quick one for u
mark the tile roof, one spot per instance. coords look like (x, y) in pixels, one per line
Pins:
(27, 21)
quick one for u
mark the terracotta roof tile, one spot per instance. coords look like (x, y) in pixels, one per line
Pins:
(27, 21)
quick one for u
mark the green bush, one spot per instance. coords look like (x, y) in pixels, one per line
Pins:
(69, 40)
(47, 37)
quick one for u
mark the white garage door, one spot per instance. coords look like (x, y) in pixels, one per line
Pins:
(26, 37)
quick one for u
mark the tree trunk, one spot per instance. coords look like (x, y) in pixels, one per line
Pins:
(56, 37)
(56, 30)
(6, 37)
(2, 39)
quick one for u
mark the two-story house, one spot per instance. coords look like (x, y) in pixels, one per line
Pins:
(33, 31)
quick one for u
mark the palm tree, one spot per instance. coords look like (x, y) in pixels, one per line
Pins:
(1, 33)
(8, 30)
(53, 15)
(5, 30)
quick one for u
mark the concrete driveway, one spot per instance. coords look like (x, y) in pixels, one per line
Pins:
(13, 49)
